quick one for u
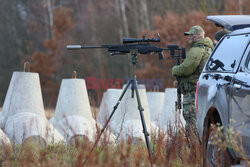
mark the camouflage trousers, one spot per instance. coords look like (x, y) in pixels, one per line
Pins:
(189, 112)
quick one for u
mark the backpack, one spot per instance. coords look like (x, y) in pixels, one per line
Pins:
(204, 58)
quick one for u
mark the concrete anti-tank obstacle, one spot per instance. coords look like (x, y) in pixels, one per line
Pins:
(26, 126)
(130, 120)
(155, 102)
(73, 115)
(109, 99)
(103, 113)
(2, 120)
(4, 140)
(23, 113)
(126, 121)
(169, 117)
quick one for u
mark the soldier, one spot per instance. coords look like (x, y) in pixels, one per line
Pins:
(219, 34)
(190, 69)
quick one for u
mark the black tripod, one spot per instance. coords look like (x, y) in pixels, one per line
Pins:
(133, 84)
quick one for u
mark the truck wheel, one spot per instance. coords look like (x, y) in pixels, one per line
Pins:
(214, 155)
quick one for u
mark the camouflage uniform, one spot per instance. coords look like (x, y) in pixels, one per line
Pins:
(189, 71)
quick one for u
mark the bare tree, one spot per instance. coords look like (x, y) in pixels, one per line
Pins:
(136, 14)
(92, 11)
(124, 18)
(50, 8)
(240, 7)
(144, 14)
(118, 14)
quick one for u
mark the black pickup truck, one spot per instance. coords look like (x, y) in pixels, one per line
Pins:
(223, 92)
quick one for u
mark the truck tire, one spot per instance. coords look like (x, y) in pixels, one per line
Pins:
(214, 155)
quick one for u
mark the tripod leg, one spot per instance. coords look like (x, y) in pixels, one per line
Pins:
(146, 134)
(106, 124)
(132, 90)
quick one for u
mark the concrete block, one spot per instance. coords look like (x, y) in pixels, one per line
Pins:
(25, 125)
(109, 99)
(73, 115)
(23, 114)
(169, 117)
(130, 119)
(155, 102)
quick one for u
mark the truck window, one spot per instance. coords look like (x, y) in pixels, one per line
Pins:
(248, 63)
(227, 55)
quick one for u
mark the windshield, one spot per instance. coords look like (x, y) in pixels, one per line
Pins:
(227, 55)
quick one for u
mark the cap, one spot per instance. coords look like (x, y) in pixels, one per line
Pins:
(219, 34)
(195, 30)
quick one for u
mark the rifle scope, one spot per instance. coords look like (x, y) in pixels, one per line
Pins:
(138, 40)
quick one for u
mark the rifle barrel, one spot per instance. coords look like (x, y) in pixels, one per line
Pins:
(77, 47)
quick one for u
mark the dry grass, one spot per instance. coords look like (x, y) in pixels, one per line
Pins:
(176, 150)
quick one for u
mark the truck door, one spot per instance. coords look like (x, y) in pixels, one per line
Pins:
(240, 105)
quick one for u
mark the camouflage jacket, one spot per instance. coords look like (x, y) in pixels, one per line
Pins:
(190, 69)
